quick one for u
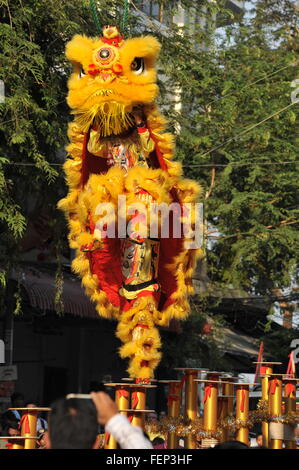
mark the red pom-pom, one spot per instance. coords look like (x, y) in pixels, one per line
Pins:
(206, 329)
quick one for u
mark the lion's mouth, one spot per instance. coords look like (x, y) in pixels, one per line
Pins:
(110, 117)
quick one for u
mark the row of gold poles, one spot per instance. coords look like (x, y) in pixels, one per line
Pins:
(131, 399)
(272, 388)
(218, 407)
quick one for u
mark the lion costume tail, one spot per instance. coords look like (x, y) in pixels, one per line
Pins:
(140, 337)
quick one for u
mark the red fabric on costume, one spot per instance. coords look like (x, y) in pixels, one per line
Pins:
(105, 263)
(170, 248)
(91, 163)
(141, 130)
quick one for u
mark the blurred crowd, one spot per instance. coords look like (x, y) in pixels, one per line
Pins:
(83, 423)
(10, 421)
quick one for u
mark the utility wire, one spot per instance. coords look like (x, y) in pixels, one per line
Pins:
(184, 166)
(209, 165)
(245, 131)
(248, 85)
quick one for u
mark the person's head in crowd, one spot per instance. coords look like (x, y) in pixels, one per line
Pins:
(162, 415)
(30, 404)
(8, 419)
(12, 430)
(152, 417)
(259, 440)
(73, 424)
(17, 400)
(158, 443)
(231, 445)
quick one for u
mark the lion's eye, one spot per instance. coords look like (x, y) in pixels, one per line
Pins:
(137, 66)
(81, 74)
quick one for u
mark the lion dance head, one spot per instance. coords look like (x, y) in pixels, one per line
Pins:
(110, 77)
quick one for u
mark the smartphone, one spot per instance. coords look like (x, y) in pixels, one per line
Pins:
(84, 396)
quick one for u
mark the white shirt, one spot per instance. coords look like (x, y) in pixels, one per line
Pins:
(128, 436)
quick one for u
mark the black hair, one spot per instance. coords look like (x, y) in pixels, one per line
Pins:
(30, 402)
(8, 418)
(231, 445)
(73, 424)
(10, 426)
(158, 441)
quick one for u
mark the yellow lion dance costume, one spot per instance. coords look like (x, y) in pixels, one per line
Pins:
(118, 148)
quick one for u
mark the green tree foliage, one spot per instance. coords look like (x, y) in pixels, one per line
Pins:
(228, 143)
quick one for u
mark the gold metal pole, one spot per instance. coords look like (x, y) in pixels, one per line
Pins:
(122, 399)
(290, 407)
(18, 444)
(174, 406)
(28, 428)
(191, 393)
(265, 372)
(210, 400)
(228, 405)
(191, 396)
(210, 406)
(223, 411)
(275, 402)
(210, 414)
(242, 411)
(229, 392)
(138, 402)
